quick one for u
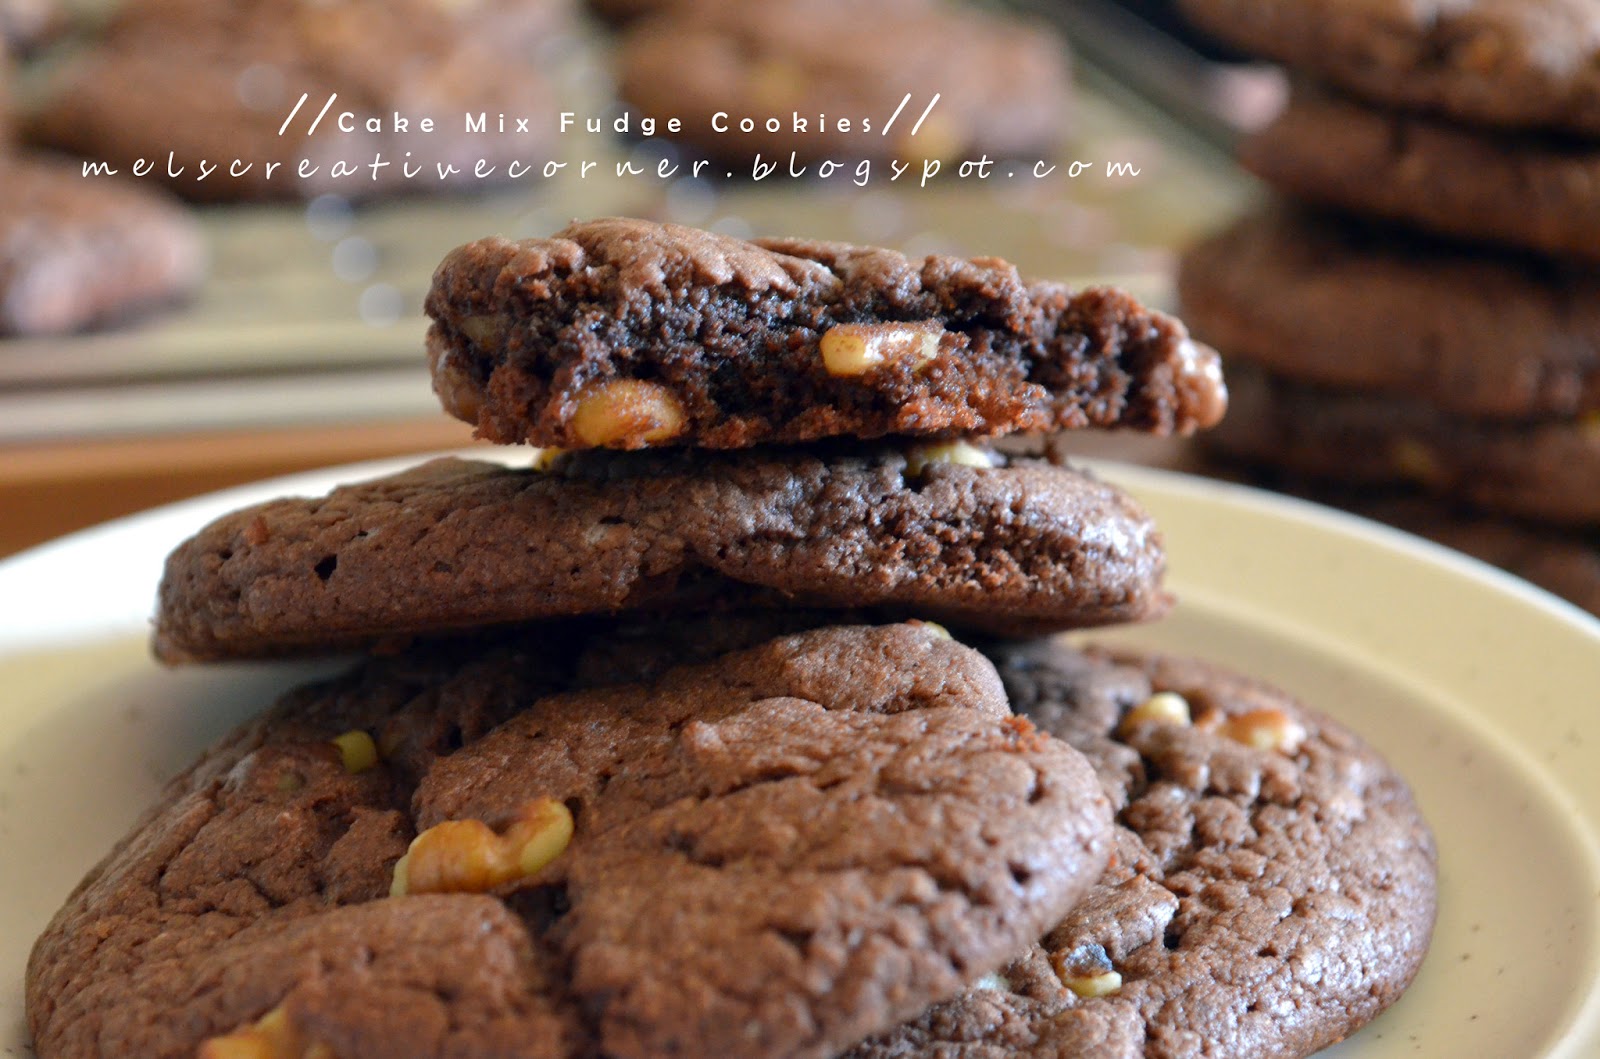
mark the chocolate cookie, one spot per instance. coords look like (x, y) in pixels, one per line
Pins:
(775, 853)
(626, 333)
(1272, 889)
(1540, 470)
(214, 83)
(1330, 301)
(455, 544)
(826, 63)
(77, 251)
(1529, 192)
(1512, 63)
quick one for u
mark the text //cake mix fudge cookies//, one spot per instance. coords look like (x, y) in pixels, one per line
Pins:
(952, 532)
(76, 253)
(216, 82)
(1513, 63)
(1329, 300)
(1272, 890)
(626, 333)
(1543, 470)
(775, 853)
(845, 70)
(1529, 191)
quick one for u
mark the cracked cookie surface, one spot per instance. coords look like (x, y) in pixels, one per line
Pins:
(625, 334)
(457, 544)
(1260, 901)
(777, 852)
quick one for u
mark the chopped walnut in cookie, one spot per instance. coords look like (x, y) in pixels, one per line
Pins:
(272, 1036)
(467, 856)
(959, 452)
(1267, 729)
(627, 414)
(1087, 971)
(855, 349)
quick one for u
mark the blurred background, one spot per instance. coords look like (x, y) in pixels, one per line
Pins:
(298, 341)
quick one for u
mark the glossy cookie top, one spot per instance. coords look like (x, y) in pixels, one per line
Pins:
(953, 533)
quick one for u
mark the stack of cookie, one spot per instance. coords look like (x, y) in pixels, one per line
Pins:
(720, 807)
(1435, 324)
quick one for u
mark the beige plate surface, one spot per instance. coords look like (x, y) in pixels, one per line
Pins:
(1484, 692)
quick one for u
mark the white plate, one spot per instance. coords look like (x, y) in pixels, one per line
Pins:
(1483, 691)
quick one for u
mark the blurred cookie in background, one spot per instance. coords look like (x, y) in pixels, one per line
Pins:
(178, 82)
(1330, 300)
(77, 253)
(1508, 63)
(1540, 469)
(1441, 340)
(525, 29)
(620, 12)
(1530, 190)
(1357, 354)
(828, 82)
(24, 24)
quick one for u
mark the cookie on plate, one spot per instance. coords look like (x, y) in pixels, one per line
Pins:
(828, 65)
(1511, 63)
(775, 853)
(952, 533)
(1541, 470)
(215, 83)
(1273, 886)
(77, 252)
(1330, 301)
(627, 333)
(1528, 191)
